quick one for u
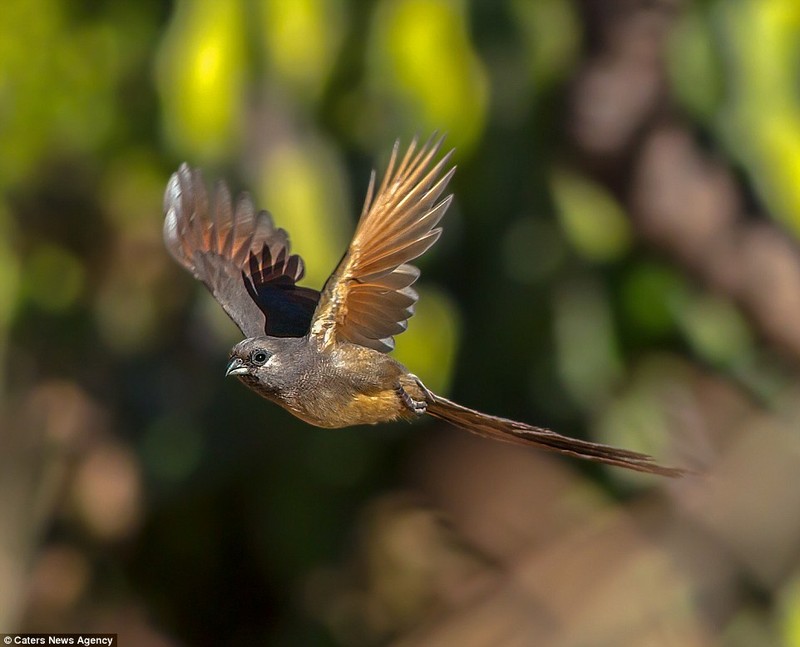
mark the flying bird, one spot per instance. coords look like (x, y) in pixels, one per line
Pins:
(323, 355)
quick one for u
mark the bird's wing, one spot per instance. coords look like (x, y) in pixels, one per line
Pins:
(369, 297)
(241, 257)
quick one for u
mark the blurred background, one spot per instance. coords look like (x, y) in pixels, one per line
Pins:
(620, 264)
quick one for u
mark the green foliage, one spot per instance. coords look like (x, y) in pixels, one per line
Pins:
(226, 507)
(202, 70)
(423, 63)
(592, 220)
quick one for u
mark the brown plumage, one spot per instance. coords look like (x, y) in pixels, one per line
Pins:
(369, 298)
(520, 433)
(323, 355)
(240, 256)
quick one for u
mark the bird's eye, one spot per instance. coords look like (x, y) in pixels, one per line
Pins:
(259, 357)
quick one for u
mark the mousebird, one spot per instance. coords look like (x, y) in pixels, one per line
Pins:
(323, 355)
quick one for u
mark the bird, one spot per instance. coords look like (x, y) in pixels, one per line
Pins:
(324, 355)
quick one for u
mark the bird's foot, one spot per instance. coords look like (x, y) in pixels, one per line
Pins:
(417, 406)
(428, 394)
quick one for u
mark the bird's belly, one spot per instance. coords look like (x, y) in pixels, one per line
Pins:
(337, 409)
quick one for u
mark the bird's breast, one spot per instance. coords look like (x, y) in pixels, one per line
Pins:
(336, 408)
(346, 385)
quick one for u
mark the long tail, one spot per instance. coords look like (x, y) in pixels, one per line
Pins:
(522, 434)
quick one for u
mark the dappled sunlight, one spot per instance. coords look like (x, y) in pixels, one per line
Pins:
(761, 119)
(299, 181)
(422, 60)
(301, 41)
(201, 76)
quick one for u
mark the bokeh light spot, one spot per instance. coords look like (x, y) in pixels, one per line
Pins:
(429, 345)
(54, 278)
(201, 71)
(592, 219)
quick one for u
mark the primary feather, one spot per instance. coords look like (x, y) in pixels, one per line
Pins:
(369, 297)
(240, 256)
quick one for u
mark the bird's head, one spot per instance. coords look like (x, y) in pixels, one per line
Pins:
(256, 360)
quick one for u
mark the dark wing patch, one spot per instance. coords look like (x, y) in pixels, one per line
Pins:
(239, 254)
(271, 284)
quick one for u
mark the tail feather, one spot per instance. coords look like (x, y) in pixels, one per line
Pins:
(523, 434)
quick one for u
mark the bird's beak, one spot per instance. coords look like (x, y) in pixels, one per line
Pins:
(235, 367)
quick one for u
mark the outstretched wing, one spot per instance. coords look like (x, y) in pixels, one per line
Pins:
(241, 257)
(369, 297)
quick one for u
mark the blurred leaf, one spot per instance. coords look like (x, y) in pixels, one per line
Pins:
(303, 185)
(421, 57)
(779, 141)
(201, 73)
(301, 39)
(790, 613)
(693, 65)
(751, 627)
(57, 84)
(10, 284)
(588, 357)
(715, 328)
(592, 219)
(649, 296)
(54, 278)
(9, 274)
(552, 36)
(762, 123)
(638, 417)
(132, 193)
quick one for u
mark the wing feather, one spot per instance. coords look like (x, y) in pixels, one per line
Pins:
(240, 256)
(369, 297)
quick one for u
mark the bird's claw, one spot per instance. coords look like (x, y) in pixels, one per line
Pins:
(417, 406)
